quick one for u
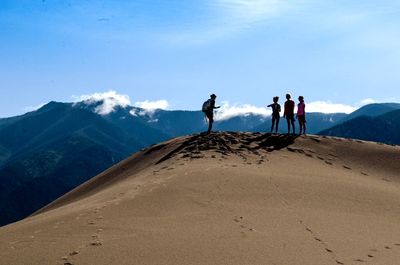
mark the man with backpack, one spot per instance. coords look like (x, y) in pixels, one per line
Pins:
(208, 109)
(289, 113)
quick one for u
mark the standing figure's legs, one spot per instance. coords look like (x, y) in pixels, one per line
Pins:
(293, 127)
(288, 125)
(277, 124)
(300, 125)
(210, 116)
(273, 123)
(210, 122)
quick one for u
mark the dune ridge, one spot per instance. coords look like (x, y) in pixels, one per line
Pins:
(225, 198)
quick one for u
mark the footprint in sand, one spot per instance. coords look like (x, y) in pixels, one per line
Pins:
(238, 219)
(328, 250)
(73, 253)
(346, 167)
(338, 262)
(328, 162)
(365, 174)
(315, 139)
(96, 242)
(359, 260)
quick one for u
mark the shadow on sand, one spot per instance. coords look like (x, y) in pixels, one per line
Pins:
(228, 143)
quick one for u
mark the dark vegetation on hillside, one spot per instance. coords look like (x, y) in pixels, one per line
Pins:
(48, 152)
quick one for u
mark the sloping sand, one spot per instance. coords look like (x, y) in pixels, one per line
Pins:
(226, 198)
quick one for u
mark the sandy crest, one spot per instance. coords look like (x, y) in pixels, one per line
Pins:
(226, 198)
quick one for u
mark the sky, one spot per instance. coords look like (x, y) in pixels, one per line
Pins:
(173, 54)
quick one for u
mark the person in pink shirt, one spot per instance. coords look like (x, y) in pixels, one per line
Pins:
(301, 115)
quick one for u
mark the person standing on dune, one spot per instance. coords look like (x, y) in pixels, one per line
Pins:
(289, 113)
(276, 109)
(208, 109)
(301, 115)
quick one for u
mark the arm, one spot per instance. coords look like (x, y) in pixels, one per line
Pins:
(213, 105)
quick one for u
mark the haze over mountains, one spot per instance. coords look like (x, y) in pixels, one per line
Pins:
(46, 153)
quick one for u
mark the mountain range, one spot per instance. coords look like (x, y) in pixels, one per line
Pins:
(384, 128)
(47, 152)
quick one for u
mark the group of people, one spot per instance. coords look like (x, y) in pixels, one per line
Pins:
(288, 114)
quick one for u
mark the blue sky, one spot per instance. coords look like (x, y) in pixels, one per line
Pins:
(338, 54)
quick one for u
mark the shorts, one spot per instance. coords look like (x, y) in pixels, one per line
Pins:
(275, 117)
(290, 117)
(210, 115)
(302, 118)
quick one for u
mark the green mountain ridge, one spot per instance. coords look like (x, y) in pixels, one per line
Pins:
(46, 153)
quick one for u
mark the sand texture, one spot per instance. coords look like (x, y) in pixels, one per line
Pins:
(225, 198)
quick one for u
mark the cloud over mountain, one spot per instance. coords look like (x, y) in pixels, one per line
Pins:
(109, 101)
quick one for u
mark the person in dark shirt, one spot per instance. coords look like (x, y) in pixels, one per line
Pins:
(289, 113)
(276, 109)
(208, 109)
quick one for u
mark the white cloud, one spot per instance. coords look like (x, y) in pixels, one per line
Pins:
(152, 105)
(148, 107)
(33, 108)
(110, 100)
(367, 101)
(230, 17)
(329, 107)
(228, 111)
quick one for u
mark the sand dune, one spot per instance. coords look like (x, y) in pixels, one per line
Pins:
(225, 198)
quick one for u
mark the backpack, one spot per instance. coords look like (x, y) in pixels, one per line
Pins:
(206, 105)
